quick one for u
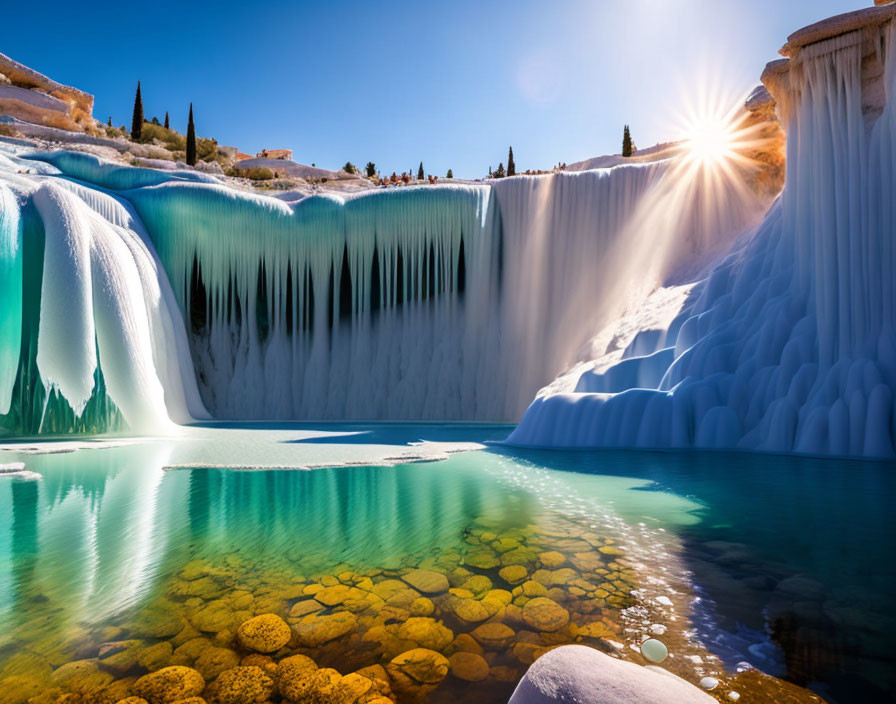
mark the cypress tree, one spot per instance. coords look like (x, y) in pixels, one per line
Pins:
(511, 167)
(627, 148)
(500, 173)
(191, 140)
(110, 121)
(167, 127)
(137, 120)
(420, 174)
(450, 174)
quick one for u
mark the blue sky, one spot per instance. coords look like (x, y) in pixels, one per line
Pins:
(397, 82)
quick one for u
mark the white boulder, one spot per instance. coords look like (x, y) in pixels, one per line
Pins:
(576, 674)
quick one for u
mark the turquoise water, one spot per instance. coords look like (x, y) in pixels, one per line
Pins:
(791, 558)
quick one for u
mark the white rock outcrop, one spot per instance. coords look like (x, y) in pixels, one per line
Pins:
(575, 674)
(78, 104)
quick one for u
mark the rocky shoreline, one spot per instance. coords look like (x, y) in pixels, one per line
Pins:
(461, 624)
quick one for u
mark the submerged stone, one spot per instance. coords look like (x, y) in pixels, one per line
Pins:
(169, 684)
(654, 651)
(291, 675)
(265, 634)
(552, 559)
(81, 676)
(422, 607)
(418, 666)
(468, 609)
(427, 581)
(303, 608)
(317, 629)
(544, 614)
(241, 685)
(468, 666)
(478, 584)
(482, 559)
(313, 686)
(213, 661)
(597, 629)
(464, 642)
(611, 550)
(709, 683)
(18, 689)
(337, 594)
(513, 574)
(493, 635)
(426, 632)
(155, 657)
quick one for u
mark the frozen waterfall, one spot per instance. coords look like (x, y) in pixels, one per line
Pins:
(788, 345)
(165, 294)
(91, 338)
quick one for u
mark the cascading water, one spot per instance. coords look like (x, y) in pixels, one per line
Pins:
(98, 344)
(404, 304)
(788, 346)
(450, 302)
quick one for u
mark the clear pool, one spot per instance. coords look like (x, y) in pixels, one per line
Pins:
(785, 563)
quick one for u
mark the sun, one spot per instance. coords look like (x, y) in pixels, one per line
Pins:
(714, 130)
(711, 139)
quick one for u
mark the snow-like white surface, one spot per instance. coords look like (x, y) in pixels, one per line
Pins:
(576, 674)
(438, 302)
(16, 470)
(609, 160)
(250, 446)
(789, 345)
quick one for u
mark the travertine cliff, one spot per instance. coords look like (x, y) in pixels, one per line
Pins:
(28, 95)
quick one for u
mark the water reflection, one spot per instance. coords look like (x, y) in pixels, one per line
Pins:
(792, 555)
(101, 528)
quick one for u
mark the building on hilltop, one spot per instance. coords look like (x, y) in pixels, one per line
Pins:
(285, 154)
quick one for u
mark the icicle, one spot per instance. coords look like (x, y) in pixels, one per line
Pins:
(10, 295)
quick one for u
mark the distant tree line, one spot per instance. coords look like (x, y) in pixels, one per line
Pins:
(406, 177)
